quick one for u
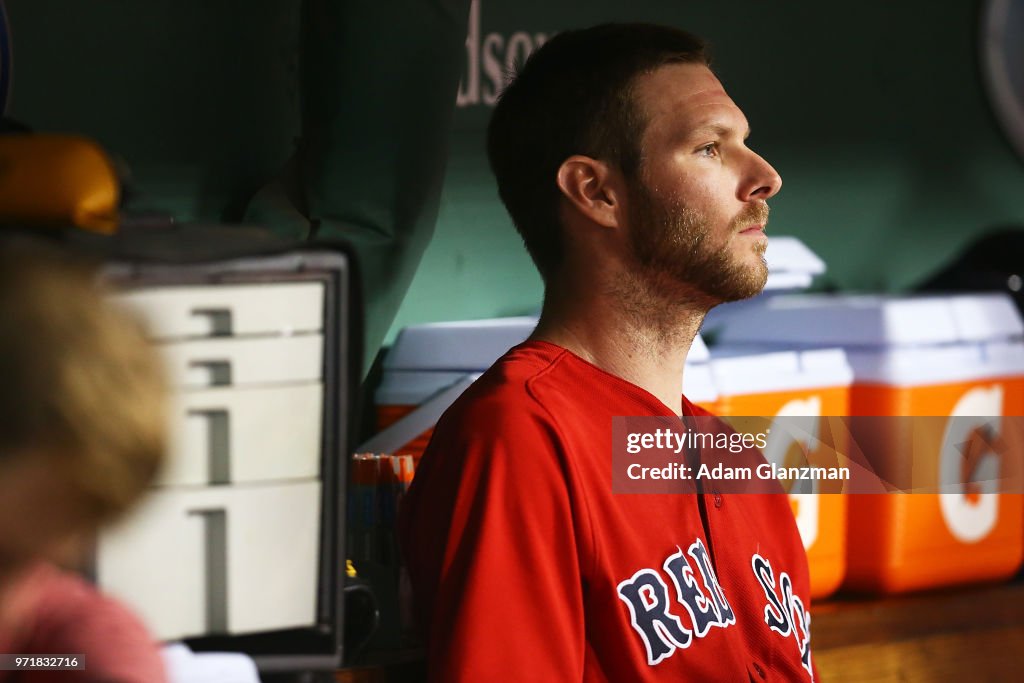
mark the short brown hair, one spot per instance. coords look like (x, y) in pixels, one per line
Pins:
(574, 95)
(80, 380)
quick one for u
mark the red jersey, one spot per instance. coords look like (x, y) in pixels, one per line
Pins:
(526, 567)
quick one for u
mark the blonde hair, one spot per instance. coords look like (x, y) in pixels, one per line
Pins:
(78, 380)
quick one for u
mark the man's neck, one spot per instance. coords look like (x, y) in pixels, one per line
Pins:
(626, 332)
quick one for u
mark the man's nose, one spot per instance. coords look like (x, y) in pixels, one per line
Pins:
(762, 180)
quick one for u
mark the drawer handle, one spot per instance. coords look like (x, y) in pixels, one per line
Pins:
(215, 538)
(218, 372)
(217, 426)
(218, 323)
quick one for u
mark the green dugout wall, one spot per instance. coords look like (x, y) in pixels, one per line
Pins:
(318, 118)
(873, 112)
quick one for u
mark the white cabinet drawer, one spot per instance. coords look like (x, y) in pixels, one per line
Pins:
(228, 310)
(239, 362)
(236, 435)
(228, 559)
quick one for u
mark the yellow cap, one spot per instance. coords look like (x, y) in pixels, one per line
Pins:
(56, 181)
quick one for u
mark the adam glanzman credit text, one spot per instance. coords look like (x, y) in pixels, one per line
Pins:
(733, 442)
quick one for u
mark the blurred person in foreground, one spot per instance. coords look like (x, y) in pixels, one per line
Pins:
(82, 434)
(625, 168)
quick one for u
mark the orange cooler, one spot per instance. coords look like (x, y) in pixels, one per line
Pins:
(919, 356)
(805, 387)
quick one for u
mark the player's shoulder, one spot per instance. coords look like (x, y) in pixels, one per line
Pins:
(506, 396)
(497, 419)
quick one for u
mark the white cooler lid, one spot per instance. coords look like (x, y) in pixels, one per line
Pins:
(791, 264)
(746, 370)
(412, 387)
(698, 352)
(986, 317)
(461, 345)
(939, 364)
(874, 320)
(893, 339)
(698, 385)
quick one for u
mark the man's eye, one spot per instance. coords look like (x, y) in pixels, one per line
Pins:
(709, 150)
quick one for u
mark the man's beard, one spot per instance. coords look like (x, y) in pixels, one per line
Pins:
(673, 245)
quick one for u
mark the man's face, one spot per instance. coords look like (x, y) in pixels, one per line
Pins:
(698, 204)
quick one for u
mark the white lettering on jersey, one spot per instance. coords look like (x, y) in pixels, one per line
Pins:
(647, 597)
(784, 613)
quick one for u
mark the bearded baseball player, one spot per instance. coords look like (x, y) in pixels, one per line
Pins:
(624, 165)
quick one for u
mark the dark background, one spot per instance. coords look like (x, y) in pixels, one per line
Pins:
(873, 112)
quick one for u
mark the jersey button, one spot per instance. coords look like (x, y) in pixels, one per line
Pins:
(758, 669)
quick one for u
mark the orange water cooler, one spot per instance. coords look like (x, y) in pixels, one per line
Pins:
(804, 388)
(957, 356)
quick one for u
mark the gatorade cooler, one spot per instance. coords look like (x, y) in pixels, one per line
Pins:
(918, 356)
(805, 387)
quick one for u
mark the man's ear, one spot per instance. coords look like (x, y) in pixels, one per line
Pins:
(593, 188)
